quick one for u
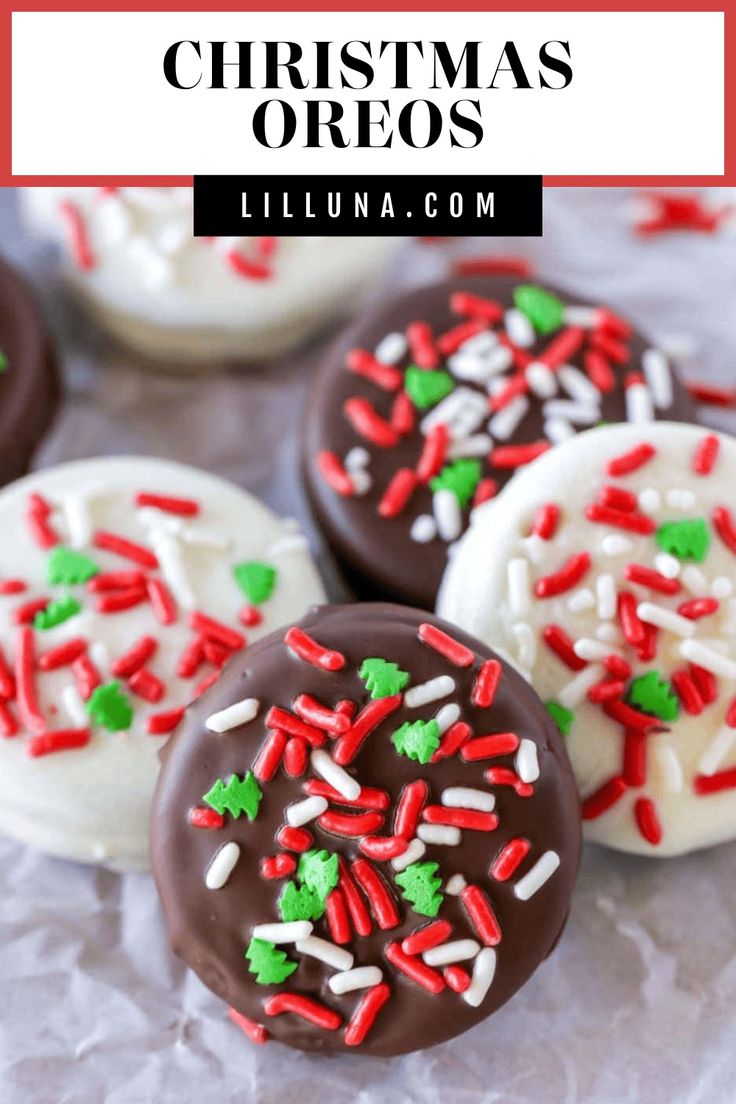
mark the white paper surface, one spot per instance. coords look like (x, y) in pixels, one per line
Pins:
(638, 1003)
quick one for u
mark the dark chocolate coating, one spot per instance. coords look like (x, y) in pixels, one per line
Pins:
(211, 929)
(29, 386)
(378, 553)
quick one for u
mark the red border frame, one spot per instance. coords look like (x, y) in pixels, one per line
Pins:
(727, 7)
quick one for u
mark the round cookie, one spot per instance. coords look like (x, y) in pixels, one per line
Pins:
(130, 254)
(607, 572)
(424, 408)
(29, 378)
(366, 834)
(125, 584)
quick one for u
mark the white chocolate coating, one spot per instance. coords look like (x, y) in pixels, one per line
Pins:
(175, 297)
(475, 594)
(92, 803)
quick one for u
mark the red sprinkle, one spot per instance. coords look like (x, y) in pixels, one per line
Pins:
(562, 645)
(278, 866)
(62, 655)
(364, 1016)
(688, 693)
(599, 370)
(610, 347)
(705, 682)
(296, 756)
(215, 630)
(160, 724)
(331, 469)
(606, 690)
(337, 917)
(270, 755)
(426, 937)
(634, 770)
(28, 708)
(183, 507)
(396, 497)
(64, 739)
(363, 363)
(382, 848)
(486, 684)
(311, 652)
(7, 679)
(118, 600)
(246, 267)
(39, 511)
(26, 614)
(86, 676)
(8, 723)
(421, 345)
(191, 658)
(12, 586)
(713, 396)
(256, 1032)
(648, 577)
(599, 802)
(446, 645)
(456, 978)
(348, 746)
(489, 747)
(76, 230)
(127, 664)
(706, 454)
(695, 608)
(408, 810)
(485, 491)
(516, 456)
(116, 580)
(359, 916)
(350, 825)
(314, 713)
(146, 685)
(618, 497)
(631, 461)
(481, 915)
(294, 839)
(368, 423)
(465, 303)
(648, 821)
(281, 718)
(110, 542)
(402, 414)
(509, 859)
(630, 717)
(311, 1010)
(631, 626)
(546, 520)
(433, 453)
(452, 741)
(563, 347)
(368, 798)
(570, 574)
(471, 819)
(415, 969)
(617, 666)
(631, 521)
(502, 776)
(492, 266)
(450, 341)
(725, 526)
(705, 784)
(209, 819)
(511, 390)
(250, 616)
(381, 902)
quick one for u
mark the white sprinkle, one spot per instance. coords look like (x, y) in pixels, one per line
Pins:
(479, 343)
(609, 632)
(615, 545)
(74, 706)
(679, 346)
(587, 317)
(78, 520)
(518, 586)
(694, 579)
(575, 412)
(519, 328)
(650, 500)
(580, 600)
(558, 430)
(653, 614)
(447, 514)
(536, 548)
(706, 657)
(429, 691)
(667, 565)
(361, 978)
(391, 348)
(463, 797)
(98, 653)
(670, 767)
(657, 373)
(446, 716)
(527, 761)
(361, 481)
(574, 691)
(484, 968)
(585, 648)
(457, 950)
(336, 957)
(541, 380)
(290, 544)
(290, 932)
(455, 885)
(168, 554)
(721, 587)
(462, 412)
(357, 457)
(423, 529)
(301, 812)
(681, 498)
(446, 835)
(480, 366)
(526, 644)
(239, 713)
(112, 222)
(414, 851)
(542, 870)
(153, 518)
(326, 767)
(717, 750)
(507, 420)
(578, 386)
(605, 586)
(480, 444)
(639, 407)
(222, 865)
(204, 538)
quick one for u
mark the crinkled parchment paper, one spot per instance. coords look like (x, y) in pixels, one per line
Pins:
(637, 1005)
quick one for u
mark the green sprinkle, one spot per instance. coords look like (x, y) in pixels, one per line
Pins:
(426, 386)
(562, 716)
(56, 612)
(236, 796)
(417, 740)
(4, 362)
(654, 694)
(688, 539)
(65, 567)
(270, 965)
(420, 887)
(543, 309)
(382, 679)
(461, 477)
(318, 871)
(300, 903)
(256, 580)
(109, 707)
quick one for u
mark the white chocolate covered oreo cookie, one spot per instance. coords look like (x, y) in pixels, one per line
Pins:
(125, 586)
(130, 253)
(607, 572)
